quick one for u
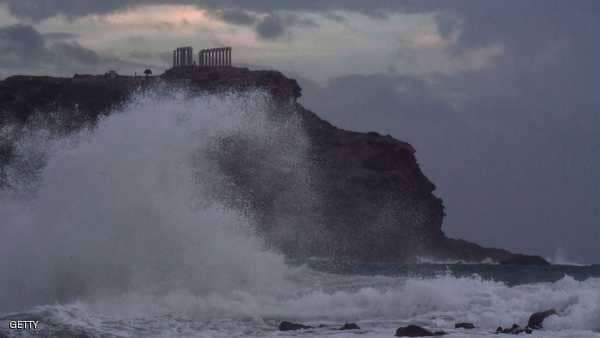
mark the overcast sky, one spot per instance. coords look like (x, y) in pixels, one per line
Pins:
(500, 98)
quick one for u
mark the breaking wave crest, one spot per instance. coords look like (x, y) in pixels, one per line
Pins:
(129, 205)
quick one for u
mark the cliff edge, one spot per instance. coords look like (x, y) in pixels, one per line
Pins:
(373, 201)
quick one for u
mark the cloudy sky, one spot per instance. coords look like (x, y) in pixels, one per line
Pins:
(500, 98)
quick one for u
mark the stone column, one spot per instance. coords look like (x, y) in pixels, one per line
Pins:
(220, 57)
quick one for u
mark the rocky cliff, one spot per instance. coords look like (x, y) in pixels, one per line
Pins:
(371, 200)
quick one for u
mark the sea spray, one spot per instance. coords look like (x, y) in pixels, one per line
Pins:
(128, 207)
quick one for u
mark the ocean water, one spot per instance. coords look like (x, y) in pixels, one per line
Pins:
(378, 304)
(119, 232)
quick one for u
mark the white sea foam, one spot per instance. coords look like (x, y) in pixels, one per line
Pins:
(379, 308)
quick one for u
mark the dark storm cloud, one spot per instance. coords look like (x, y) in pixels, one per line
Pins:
(42, 9)
(23, 45)
(24, 49)
(238, 16)
(274, 25)
(482, 22)
(271, 27)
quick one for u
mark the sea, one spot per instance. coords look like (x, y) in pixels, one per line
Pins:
(116, 231)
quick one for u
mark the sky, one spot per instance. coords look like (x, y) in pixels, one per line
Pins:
(500, 98)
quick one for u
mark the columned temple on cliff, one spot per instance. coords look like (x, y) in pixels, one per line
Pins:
(213, 57)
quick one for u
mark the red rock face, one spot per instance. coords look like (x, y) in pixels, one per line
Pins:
(368, 200)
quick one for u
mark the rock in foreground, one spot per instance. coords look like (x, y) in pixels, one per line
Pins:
(350, 326)
(515, 329)
(466, 326)
(537, 319)
(289, 326)
(416, 331)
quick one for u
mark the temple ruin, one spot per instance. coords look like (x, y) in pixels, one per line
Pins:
(212, 57)
(215, 57)
(183, 56)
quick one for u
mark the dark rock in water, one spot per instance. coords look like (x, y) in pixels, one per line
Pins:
(515, 329)
(467, 326)
(289, 326)
(512, 329)
(537, 319)
(524, 260)
(416, 331)
(350, 326)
